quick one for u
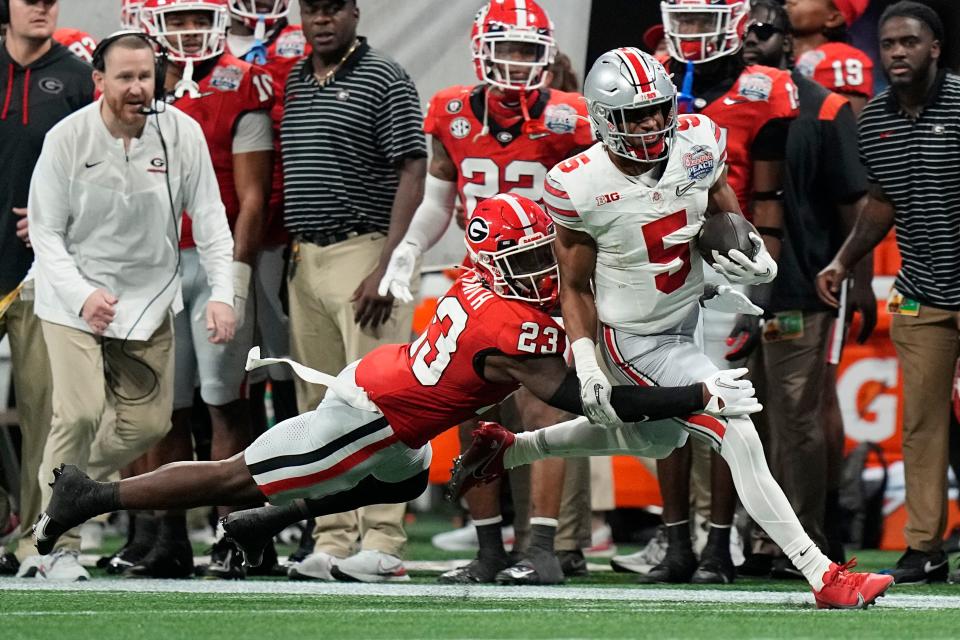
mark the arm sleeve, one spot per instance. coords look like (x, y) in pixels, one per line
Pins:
(846, 177)
(432, 217)
(254, 132)
(201, 197)
(558, 205)
(399, 127)
(634, 404)
(48, 210)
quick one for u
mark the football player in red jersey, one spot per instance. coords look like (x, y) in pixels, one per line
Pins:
(752, 106)
(502, 134)
(820, 49)
(231, 100)
(369, 439)
(80, 43)
(259, 33)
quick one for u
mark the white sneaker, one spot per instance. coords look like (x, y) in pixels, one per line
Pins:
(315, 566)
(91, 535)
(370, 566)
(30, 566)
(63, 566)
(465, 539)
(601, 543)
(645, 559)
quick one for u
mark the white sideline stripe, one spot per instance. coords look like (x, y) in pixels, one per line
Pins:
(446, 610)
(464, 592)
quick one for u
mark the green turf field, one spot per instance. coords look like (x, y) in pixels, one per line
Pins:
(604, 605)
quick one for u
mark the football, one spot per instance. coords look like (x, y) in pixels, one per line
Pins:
(723, 232)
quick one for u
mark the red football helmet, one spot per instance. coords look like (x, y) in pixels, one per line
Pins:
(187, 44)
(512, 44)
(130, 14)
(251, 11)
(703, 30)
(510, 240)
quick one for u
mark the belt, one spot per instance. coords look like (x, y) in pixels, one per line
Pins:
(325, 239)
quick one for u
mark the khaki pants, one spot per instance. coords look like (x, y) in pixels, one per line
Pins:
(796, 375)
(927, 346)
(323, 335)
(141, 397)
(31, 379)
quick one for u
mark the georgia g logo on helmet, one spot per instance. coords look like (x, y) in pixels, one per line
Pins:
(478, 230)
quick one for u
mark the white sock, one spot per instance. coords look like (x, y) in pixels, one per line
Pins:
(764, 500)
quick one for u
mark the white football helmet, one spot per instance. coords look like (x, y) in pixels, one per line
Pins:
(184, 45)
(130, 14)
(251, 11)
(623, 86)
(699, 31)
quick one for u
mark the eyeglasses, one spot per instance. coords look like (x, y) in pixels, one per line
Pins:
(763, 30)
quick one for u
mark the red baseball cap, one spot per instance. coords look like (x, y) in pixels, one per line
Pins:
(851, 9)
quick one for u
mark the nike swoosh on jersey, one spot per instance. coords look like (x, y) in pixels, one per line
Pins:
(685, 188)
(537, 136)
(732, 101)
(91, 165)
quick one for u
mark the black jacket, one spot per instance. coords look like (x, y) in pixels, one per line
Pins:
(32, 100)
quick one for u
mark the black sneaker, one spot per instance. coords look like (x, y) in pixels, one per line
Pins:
(783, 569)
(716, 567)
(226, 562)
(9, 565)
(170, 560)
(678, 566)
(756, 565)
(136, 549)
(920, 567)
(482, 570)
(573, 564)
(538, 567)
(76, 498)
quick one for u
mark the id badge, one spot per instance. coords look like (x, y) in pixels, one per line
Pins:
(786, 325)
(901, 305)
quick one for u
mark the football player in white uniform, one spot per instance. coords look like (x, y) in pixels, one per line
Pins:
(628, 211)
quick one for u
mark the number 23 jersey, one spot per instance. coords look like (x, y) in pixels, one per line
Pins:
(648, 273)
(426, 387)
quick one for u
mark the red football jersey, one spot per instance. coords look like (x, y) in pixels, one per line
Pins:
(231, 88)
(759, 95)
(839, 67)
(287, 47)
(80, 43)
(505, 159)
(425, 387)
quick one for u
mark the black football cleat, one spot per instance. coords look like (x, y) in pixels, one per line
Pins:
(167, 560)
(538, 567)
(716, 567)
(76, 498)
(482, 462)
(245, 528)
(573, 564)
(677, 567)
(482, 570)
(226, 562)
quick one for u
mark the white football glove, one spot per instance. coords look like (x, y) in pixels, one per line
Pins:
(726, 299)
(739, 269)
(396, 279)
(241, 290)
(731, 397)
(595, 389)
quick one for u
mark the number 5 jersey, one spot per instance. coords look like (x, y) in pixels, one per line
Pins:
(435, 382)
(648, 273)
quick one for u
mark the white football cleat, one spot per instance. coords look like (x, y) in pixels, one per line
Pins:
(62, 565)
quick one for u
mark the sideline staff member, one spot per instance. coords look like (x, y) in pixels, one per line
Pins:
(104, 209)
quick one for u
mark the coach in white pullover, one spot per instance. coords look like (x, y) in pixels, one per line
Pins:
(105, 204)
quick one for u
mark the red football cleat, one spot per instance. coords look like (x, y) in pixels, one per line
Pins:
(482, 462)
(844, 589)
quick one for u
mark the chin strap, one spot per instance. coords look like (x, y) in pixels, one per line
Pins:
(186, 85)
(258, 52)
(685, 98)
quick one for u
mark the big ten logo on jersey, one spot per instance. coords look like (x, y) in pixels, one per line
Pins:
(607, 198)
(534, 338)
(291, 44)
(560, 118)
(484, 178)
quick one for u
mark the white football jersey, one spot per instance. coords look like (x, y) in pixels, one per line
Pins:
(649, 273)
